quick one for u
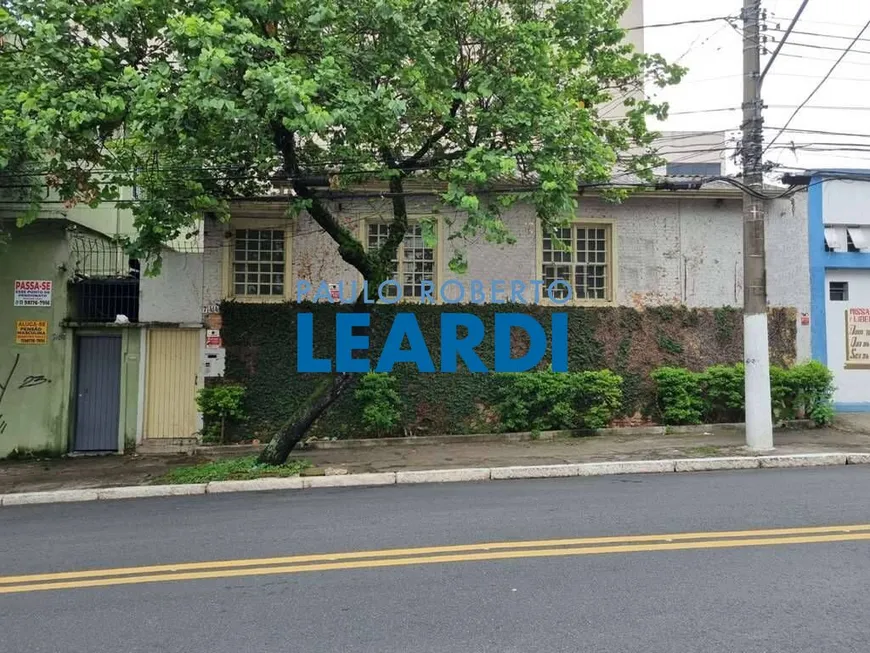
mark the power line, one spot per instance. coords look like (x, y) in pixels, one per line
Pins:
(804, 56)
(816, 46)
(820, 35)
(678, 23)
(820, 84)
(784, 39)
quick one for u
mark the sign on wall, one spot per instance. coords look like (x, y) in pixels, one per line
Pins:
(32, 293)
(858, 338)
(31, 332)
(213, 339)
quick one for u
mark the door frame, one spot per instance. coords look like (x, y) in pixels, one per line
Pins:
(125, 334)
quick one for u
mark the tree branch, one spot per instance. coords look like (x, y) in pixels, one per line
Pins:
(350, 248)
(415, 158)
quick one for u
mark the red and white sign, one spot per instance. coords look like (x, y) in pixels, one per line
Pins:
(334, 295)
(213, 339)
(32, 293)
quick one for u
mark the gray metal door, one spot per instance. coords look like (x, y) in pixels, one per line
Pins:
(98, 393)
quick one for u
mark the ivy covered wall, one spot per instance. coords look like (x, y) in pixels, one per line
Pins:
(261, 354)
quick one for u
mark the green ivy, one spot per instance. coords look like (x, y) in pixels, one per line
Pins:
(261, 355)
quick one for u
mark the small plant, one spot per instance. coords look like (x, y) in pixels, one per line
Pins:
(220, 404)
(679, 395)
(381, 403)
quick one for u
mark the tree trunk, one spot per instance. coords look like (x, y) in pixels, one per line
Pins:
(294, 429)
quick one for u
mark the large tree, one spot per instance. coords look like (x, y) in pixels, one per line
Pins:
(198, 102)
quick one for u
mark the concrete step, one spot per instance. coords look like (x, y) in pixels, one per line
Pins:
(158, 446)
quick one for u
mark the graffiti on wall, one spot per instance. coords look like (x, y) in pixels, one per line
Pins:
(8, 380)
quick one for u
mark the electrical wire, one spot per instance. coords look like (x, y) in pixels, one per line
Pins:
(784, 39)
(816, 89)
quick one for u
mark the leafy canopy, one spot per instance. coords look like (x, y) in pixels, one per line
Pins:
(197, 102)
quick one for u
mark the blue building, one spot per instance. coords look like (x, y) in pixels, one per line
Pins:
(839, 253)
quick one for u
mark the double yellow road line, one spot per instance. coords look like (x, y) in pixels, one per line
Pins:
(430, 555)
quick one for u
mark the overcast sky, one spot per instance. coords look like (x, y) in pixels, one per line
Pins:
(713, 53)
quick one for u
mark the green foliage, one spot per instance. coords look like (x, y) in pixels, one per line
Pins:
(220, 404)
(722, 390)
(231, 469)
(198, 103)
(718, 394)
(724, 323)
(668, 345)
(803, 391)
(546, 401)
(381, 403)
(261, 355)
(679, 395)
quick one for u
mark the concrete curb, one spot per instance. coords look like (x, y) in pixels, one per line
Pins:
(440, 476)
(487, 438)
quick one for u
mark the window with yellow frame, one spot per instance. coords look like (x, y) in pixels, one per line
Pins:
(580, 255)
(415, 262)
(259, 261)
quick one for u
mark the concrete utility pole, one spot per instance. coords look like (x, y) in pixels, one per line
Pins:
(756, 350)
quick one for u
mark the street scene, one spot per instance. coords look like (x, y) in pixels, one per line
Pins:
(429, 325)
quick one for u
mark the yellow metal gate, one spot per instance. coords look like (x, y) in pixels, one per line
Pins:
(172, 377)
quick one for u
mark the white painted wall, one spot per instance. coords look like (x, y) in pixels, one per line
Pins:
(852, 385)
(844, 202)
(175, 295)
(670, 250)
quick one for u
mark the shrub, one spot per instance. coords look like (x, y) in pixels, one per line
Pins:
(722, 391)
(219, 404)
(718, 394)
(381, 403)
(545, 401)
(803, 391)
(678, 394)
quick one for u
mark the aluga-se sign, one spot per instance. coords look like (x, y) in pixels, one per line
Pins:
(453, 346)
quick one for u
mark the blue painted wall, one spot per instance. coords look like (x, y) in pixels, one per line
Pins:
(820, 262)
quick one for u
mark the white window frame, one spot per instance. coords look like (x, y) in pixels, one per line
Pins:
(280, 224)
(611, 261)
(400, 253)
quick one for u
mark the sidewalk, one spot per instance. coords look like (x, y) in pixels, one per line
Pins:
(114, 471)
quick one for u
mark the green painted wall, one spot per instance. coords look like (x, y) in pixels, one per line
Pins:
(36, 412)
(36, 378)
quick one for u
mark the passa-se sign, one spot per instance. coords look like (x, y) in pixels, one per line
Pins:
(453, 346)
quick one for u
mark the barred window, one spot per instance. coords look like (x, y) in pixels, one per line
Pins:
(414, 262)
(259, 263)
(580, 256)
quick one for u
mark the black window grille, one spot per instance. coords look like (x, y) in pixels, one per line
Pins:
(103, 300)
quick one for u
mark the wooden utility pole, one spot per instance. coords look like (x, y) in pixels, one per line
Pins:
(756, 350)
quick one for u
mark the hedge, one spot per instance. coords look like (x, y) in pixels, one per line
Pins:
(260, 340)
(717, 394)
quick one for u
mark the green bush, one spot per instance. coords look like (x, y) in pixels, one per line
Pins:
(722, 391)
(218, 405)
(381, 403)
(678, 393)
(547, 401)
(718, 395)
(803, 391)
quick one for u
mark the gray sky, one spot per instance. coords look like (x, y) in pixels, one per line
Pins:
(713, 54)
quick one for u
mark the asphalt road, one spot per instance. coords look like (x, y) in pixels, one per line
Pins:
(787, 596)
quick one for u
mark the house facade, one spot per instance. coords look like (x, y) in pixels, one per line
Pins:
(656, 248)
(94, 356)
(839, 254)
